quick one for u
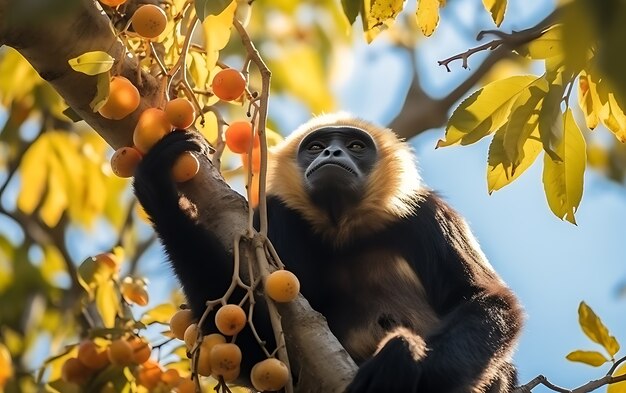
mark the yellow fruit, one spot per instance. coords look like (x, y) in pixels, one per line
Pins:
(150, 374)
(171, 377)
(185, 167)
(73, 370)
(134, 291)
(191, 335)
(224, 358)
(141, 349)
(186, 386)
(109, 259)
(120, 352)
(282, 286)
(124, 161)
(6, 365)
(92, 356)
(151, 127)
(180, 112)
(269, 375)
(230, 319)
(204, 358)
(180, 322)
(122, 101)
(113, 3)
(149, 21)
(228, 84)
(238, 137)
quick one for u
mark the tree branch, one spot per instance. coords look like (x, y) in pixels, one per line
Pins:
(421, 112)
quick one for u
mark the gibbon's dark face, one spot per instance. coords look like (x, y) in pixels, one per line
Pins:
(335, 163)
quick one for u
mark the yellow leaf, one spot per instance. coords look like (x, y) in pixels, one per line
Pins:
(378, 15)
(500, 170)
(593, 328)
(159, 314)
(107, 302)
(484, 111)
(92, 63)
(427, 16)
(563, 180)
(549, 44)
(300, 71)
(524, 119)
(17, 77)
(53, 265)
(591, 358)
(496, 8)
(550, 118)
(33, 174)
(208, 127)
(619, 387)
(198, 69)
(217, 33)
(56, 200)
(102, 92)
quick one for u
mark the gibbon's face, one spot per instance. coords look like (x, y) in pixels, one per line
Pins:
(335, 164)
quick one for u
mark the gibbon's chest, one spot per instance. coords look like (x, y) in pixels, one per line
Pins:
(369, 293)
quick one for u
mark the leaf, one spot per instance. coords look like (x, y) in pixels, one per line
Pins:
(91, 274)
(204, 8)
(107, 302)
(92, 63)
(550, 118)
(159, 314)
(563, 180)
(500, 170)
(351, 9)
(378, 15)
(56, 200)
(591, 358)
(619, 387)
(300, 71)
(217, 32)
(484, 111)
(549, 44)
(53, 265)
(427, 16)
(497, 8)
(597, 332)
(102, 92)
(33, 174)
(524, 119)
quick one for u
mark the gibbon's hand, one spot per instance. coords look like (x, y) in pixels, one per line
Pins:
(153, 182)
(394, 369)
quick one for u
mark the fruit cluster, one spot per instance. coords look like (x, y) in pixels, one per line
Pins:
(221, 359)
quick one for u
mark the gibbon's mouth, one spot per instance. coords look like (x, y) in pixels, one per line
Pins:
(333, 163)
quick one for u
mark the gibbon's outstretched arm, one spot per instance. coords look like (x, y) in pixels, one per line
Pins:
(480, 318)
(200, 262)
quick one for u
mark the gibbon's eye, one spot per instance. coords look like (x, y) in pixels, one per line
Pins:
(356, 145)
(315, 146)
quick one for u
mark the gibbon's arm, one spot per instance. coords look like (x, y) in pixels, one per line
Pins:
(480, 317)
(199, 260)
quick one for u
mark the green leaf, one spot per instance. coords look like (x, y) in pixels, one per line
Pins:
(205, 8)
(427, 16)
(591, 358)
(619, 387)
(496, 8)
(523, 119)
(563, 180)
(92, 63)
(351, 9)
(593, 327)
(549, 44)
(107, 302)
(159, 314)
(102, 91)
(91, 274)
(484, 111)
(500, 170)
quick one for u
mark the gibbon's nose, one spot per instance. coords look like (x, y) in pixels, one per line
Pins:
(332, 151)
